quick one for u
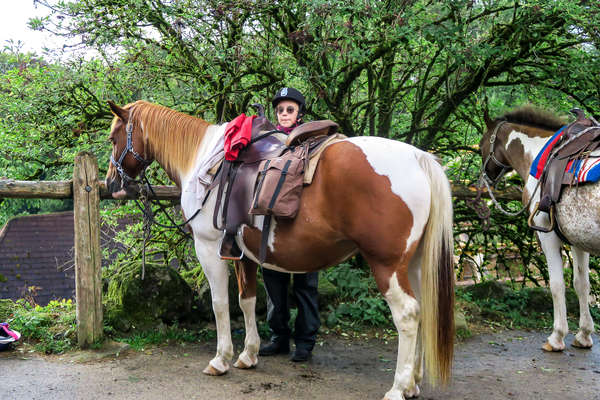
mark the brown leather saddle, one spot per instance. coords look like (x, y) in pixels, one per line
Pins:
(579, 140)
(236, 179)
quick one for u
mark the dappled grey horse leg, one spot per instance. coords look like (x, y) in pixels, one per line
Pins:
(551, 245)
(581, 282)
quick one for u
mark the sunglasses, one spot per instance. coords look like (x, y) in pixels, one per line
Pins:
(289, 109)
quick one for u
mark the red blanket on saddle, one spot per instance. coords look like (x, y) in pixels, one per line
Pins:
(237, 135)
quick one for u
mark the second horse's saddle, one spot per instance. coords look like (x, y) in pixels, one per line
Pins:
(237, 178)
(579, 140)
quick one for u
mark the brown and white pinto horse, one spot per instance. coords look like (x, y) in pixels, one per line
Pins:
(385, 199)
(512, 141)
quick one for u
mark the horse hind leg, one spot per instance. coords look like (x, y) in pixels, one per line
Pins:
(246, 277)
(581, 282)
(405, 314)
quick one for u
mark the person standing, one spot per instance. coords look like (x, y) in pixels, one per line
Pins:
(289, 105)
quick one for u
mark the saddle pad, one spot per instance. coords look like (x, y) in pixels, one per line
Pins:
(315, 156)
(540, 161)
(586, 170)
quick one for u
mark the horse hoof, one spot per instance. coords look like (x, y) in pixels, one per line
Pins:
(412, 393)
(212, 371)
(579, 345)
(548, 347)
(242, 365)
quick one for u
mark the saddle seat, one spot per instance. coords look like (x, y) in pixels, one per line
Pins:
(237, 179)
(579, 140)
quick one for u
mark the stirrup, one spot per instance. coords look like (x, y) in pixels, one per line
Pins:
(229, 256)
(540, 228)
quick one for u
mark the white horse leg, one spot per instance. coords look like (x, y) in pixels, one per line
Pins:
(581, 281)
(249, 357)
(217, 273)
(405, 312)
(551, 246)
(414, 278)
(419, 365)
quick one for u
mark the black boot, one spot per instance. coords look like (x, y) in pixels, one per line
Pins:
(300, 354)
(275, 347)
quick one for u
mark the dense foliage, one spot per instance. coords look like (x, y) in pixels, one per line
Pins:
(420, 71)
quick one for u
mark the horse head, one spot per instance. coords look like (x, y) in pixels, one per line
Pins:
(129, 156)
(493, 152)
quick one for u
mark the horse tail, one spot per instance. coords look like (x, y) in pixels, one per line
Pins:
(437, 276)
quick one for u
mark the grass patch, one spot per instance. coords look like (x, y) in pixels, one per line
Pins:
(498, 305)
(167, 335)
(50, 329)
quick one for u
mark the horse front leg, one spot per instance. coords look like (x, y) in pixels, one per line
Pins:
(246, 277)
(217, 273)
(581, 282)
(551, 245)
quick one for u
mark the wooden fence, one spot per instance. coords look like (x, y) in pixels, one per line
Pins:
(87, 190)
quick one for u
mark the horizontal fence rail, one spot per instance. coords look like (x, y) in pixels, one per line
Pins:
(64, 190)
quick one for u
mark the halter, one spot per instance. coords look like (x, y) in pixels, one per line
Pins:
(129, 149)
(492, 157)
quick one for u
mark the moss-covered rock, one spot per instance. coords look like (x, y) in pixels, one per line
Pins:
(488, 290)
(205, 310)
(6, 309)
(161, 296)
(327, 293)
(540, 300)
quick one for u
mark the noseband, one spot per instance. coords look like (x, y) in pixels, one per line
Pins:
(492, 157)
(125, 178)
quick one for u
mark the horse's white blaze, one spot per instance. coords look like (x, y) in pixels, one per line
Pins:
(393, 159)
(405, 313)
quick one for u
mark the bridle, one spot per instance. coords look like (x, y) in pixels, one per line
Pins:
(146, 193)
(492, 157)
(125, 178)
(486, 181)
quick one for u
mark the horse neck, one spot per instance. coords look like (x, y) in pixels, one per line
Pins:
(172, 138)
(522, 145)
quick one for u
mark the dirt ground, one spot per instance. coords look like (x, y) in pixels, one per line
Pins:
(505, 365)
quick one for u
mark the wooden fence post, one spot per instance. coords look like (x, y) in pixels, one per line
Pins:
(88, 282)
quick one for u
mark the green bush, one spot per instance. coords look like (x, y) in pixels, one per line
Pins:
(50, 328)
(359, 301)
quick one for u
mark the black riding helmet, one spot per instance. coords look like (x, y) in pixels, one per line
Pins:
(289, 93)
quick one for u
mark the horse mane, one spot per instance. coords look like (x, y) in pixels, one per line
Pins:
(533, 116)
(173, 137)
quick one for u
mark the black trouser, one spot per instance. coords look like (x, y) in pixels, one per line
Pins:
(305, 290)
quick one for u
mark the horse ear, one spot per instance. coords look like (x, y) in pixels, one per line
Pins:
(118, 111)
(486, 117)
